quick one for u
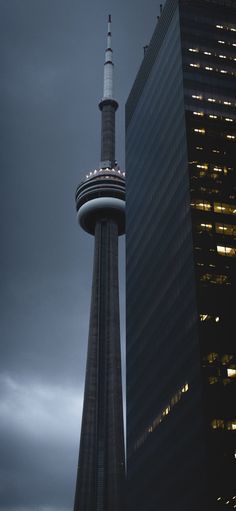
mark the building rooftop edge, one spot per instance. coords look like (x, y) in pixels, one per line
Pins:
(155, 43)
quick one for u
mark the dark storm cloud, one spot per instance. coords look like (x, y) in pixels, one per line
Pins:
(51, 56)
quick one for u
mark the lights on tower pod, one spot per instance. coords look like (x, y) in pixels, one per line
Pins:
(105, 171)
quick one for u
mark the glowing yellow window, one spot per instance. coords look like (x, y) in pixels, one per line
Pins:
(217, 424)
(203, 205)
(226, 251)
(227, 209)
(212, 357)
(231, 372)
(230, 230)
(213, 380)
(215, 279)
(231, 425)
(200, 130)
(226, 358)
(204, 227)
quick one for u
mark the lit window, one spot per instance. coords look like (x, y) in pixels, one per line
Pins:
(226, 251)
(226, 358)
(157, 421)
(215, 279)
(194, 96)
(194, 50)
(207, 227)
(231, 425)
(231, 372)
(200, 114)
(231, 137)
(212, 100)
(226, 209)
(213, 379)
(228, 229)
(200, 130)
(205, 317)
(209, 68)
(203, 205)
(212, 357)
(228, 119)
(194, 65)
(205, 166)
(217, 424)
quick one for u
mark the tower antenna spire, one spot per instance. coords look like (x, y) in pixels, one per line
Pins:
(108, 107)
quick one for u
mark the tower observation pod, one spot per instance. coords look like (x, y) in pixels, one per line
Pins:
(100, 203)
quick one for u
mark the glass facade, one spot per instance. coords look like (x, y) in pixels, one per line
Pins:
(181, 263)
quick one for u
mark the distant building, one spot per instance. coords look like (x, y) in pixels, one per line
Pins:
(181, 263)
(100, 202)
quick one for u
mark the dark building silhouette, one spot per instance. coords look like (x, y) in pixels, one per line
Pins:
(100, 201)
(181, 263)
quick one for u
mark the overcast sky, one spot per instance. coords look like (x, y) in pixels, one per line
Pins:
(52, 54)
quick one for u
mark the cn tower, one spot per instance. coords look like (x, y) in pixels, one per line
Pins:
(100, 202)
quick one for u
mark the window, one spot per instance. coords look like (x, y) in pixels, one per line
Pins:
(209, 317)
(229, 230)
(231, 425)
(217, 424)
(161, 416)
(202, 205)
(225, 359)
(204, 227)
(211, 357)
(202, 166)
(200, 130)
(213, 379)
(231, 372)
(215, 279)
(226, 251)
(226, 209)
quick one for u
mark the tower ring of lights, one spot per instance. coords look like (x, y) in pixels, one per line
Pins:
(101, 193)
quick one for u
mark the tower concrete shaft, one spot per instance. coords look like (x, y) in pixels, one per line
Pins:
(100, 202)
(101, 469)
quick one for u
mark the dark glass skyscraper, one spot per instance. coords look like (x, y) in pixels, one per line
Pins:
(181, 263)
(100, 201)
